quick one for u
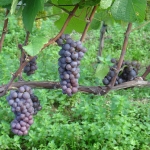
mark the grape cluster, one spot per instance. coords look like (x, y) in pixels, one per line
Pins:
(70, 55)
(129, 71)
(31, 66)
(36, 104)
(22, 104)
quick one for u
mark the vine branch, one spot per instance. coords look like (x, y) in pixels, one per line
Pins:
(146, 72)
(4, 30)
(88, 24)
(121, 56)
(63, 28)
(97, 90)
(102, 35)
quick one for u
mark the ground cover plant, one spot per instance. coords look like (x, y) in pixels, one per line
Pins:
(96, 117)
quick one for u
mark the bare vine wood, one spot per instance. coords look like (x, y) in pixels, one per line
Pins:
(97, 90)
(4, 30)
(146, 72)
(102, 36)
(88, 24)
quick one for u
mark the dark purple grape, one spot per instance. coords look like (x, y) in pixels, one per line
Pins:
(21, 89)
(105, 81)
(68, 59)
(132, 73)
(11, 101)
(26, 95)
(74, 56)
(73, 44)
(68, 67)
(62, 36)
(30, 122)
(69, 40)
(66, 76)
(72, 50)
(67, 53)
(74, 64)
(66, 46)
(14, 95)
(67, 36)
(59, 41)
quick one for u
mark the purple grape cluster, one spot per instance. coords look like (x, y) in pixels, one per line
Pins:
(36, 104)
(31, 66)
(70, 55)
(23, 107)
(128, 72)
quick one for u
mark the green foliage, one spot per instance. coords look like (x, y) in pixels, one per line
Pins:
(35, 46)
(89, 3)
(103, 68)
(30, 11)
(76, 23)
(5, 2)
(104, 4)
(129, 10)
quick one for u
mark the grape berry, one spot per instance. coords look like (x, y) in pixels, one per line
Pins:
(70, 55)
(22, 102)
(129, 72)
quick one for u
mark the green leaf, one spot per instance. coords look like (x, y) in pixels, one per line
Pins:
(65, 2)
(102, 15)
(101, 71)
(30, 11)
(104, 4)
(76, 23)
(75, 1)
(89, 3)
(35, 46)
(13, 6)
(5, 2)
(129, 10)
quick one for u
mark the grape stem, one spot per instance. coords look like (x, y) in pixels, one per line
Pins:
(102, 36)
(71, 14)
(88, 24)
(14, 76)
(121, 57)
(97, 90)
(22, 58)
(27, 38)
(4, 30)
(146, 72)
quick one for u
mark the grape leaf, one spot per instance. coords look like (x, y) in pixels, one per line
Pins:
(102, 15)
(104, 4)
(75, 1)
(5, 2)
(101, 71)
(35, 46)
(76, 23)
(89, 3)
(65, 2)
(13, 6)
(129, 10)
(30, 11)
